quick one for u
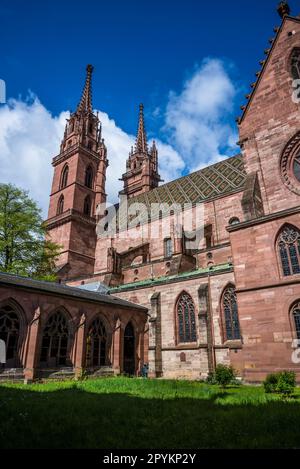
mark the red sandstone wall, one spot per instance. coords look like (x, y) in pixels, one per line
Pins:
(271, 120)
(196, 364)
(264, 299)
(217, 212)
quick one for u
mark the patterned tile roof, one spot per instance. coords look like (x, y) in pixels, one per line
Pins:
(208, 183)
(213, 181)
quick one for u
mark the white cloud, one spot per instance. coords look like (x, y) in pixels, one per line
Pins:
(29, 138)
(195, 118)
(195, 135)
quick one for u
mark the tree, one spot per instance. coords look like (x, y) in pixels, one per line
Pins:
(24, 249)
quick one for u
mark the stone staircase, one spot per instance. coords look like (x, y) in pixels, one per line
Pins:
(12, 374)
(60, 374)
(103, 372)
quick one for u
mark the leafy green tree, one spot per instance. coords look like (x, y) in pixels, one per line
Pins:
(24, 249)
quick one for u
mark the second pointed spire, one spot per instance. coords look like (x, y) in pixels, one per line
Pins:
(86, 98)
(141, 139)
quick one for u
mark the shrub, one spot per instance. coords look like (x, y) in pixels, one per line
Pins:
(224, 375)
(211, 379)
(283, 383)
(270, 383)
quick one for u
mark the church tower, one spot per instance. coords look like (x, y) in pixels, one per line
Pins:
(142, 165)
(78, 187)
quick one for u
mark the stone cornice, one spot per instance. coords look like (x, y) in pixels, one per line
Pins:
(67, 217)
(295, 281)
(76, 148)
(171, 280)
(265, 219)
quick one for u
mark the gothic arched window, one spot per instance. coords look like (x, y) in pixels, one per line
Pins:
(54, 350)
(87, 206)
(295, 64)
(60, 205)
(9, 330)
(96, 344)
(186, 320)
(129, 361)
(288, 243)
(89, 175)
(64, 177)
(230, 312)
(296, 318)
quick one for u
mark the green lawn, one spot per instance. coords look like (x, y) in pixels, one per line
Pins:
(134, 413)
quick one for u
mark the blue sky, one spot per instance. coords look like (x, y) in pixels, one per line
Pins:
(142, 51)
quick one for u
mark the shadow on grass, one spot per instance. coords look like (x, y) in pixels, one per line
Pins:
(75, 418)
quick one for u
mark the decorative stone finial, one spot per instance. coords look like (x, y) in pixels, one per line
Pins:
(283, 9)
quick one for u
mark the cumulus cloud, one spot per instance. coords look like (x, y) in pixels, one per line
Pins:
(195, 134)
(196, 118)
(30, 137)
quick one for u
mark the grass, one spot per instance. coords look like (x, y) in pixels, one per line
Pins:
(134, 413)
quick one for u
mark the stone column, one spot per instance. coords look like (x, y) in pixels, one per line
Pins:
(205, 322)
(156, 333)
(116, 359)
(32, 348)
(140, 345)
(80, 347)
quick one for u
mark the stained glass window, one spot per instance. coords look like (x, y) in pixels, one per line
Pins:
(186, 321)
(296, 167)
(289, 250)
(9, 330)
(230, 309)
(55, 340)
(96, 344)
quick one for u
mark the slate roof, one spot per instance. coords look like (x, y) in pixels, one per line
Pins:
(65, 291)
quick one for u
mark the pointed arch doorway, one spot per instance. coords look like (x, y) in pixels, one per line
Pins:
(129, 366)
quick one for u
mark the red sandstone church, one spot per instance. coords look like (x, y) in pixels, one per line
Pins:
(126, 300)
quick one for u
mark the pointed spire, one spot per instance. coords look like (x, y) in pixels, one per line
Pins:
(86, 98)
(141, 139)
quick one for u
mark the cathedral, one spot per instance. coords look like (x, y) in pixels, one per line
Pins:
(177, 302)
